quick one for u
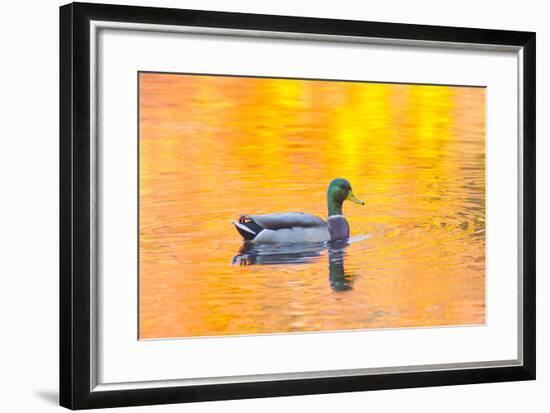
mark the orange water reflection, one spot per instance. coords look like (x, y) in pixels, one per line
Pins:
(213, 148)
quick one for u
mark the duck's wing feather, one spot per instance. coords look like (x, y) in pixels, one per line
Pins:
(286, 226)
(287, 220)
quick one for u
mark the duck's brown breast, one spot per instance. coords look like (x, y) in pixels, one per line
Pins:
(338, 227)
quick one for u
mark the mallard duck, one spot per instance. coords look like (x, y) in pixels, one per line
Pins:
(294, 227)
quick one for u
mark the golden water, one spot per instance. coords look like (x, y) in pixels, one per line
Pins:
(213, 148)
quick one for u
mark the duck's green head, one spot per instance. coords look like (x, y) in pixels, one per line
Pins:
(339, 191)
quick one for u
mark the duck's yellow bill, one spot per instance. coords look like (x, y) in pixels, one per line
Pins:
(351, 197)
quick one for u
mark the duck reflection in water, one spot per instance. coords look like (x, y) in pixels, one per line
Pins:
(274, 254)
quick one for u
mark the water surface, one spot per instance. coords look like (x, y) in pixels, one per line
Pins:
(213, 148)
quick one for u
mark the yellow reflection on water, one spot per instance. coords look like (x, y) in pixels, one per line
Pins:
(213, 148)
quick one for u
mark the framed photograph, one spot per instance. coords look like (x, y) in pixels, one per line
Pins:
(256, 205)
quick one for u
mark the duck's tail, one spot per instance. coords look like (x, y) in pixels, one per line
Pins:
(247, 227)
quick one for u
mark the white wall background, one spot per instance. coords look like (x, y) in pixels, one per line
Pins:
(29, 205)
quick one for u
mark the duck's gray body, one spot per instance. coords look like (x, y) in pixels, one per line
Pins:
(295, 227)
(292, 227)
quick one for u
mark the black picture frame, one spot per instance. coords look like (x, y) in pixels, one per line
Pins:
(75, 219)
